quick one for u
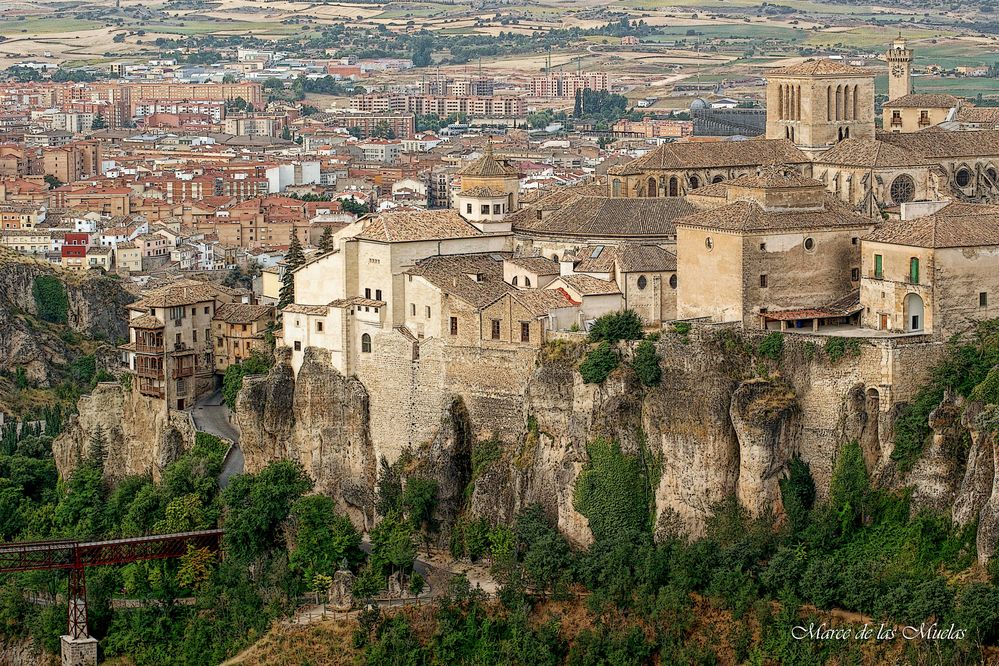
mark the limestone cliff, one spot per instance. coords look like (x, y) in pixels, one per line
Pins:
(95, 308)
(142, 438)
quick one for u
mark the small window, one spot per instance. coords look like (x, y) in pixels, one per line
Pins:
(366, 344)
(672, 281)
(497, 209)
(298, 345)
(708, 243)
(319, 327)
(194, 336)
(194, 311)
(809, 244)
(468, 209)
(854, 240)
(206, 309)
(525, 331)
(763, 247)
(878, 266)
(855, 274)
(412, 309)
(427, 312)
(454, 326)
(763, 280)
(527, 281)
(378, 294)
(642, 282)
(367, 293)
(914, 270)
(514, 282)
(496, 329)
(983, 299)
(484, 209)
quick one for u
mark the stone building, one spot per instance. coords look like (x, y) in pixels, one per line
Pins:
(819, 103)
(780, 243)
(490, 190)
(917, 111)
(676, 169)
(936, 274)
(240, 330)
(170, 350)
(968, 162)
(899, 58)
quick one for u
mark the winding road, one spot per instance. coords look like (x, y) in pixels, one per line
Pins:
(211, 415)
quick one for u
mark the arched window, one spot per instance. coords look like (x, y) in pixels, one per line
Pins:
(717, 179)
(514, 281)
(914, 270)
(780, 102)
(652, 189)
(674, 186)
(616, 187)
(555, 258)
(642, 282)
(993, 177)
(839, 102)
(829, 102)
(856, 106)
(527, 281)
(847, 105)
(366, 343)
(695, 182)
(797, 103)
(672, 281)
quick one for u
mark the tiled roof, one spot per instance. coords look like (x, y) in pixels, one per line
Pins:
(976, 114)
(923, 101)
(717, 154)
(542, 301)
(775, 177)
(537, 265)
(956, 225)
(606, 217)
(488, 166)
(935, 143)
(719, 190)
(355, 301)
(823, 67)
(242, 313)
(182, 292)
(482, 192)
(305, 309)
(451, 274)
(749, 216)
(416, 225)
(869, 153)
(650, 258)
(586, 285)
(145, 321)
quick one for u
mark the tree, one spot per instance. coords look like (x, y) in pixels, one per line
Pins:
(286, 133)
(849, 486)
(326, 243)
(293, 259)
(98, 451)
(423, 47)
(419, 500)
(577, 109)
(52, 181)
(598, 364)
(322, 537)
(389, 488)
(392, 547)
(646, 364)
(98, 123)
(614, 326)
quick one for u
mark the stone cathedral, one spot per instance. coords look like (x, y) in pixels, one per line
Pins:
(821, 122)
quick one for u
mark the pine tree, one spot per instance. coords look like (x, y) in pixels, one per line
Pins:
(326, 241)
(98, 447)
(292, 260)
(577, 109)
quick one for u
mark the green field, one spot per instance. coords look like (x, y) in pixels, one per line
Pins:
(35, 26)
(205, 27)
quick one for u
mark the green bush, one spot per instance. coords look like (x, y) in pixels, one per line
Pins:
(615, 326)
(646, 364)
(598, 364)
(611, 491)
(772, 346)
(51, 299)
(837, 347)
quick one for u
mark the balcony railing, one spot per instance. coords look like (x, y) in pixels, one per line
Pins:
(152, 391)
(182, 372)
(150, 373)
(148, 349)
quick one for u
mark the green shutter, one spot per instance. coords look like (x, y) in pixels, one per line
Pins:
(877, 265)
(914, 270)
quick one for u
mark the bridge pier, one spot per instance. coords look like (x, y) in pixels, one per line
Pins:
(78, 651)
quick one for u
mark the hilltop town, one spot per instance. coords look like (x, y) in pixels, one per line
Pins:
(535, 315)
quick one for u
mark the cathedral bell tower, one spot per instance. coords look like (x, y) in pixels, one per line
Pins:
(899, 59)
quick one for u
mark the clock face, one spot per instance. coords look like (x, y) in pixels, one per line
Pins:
(897, 70)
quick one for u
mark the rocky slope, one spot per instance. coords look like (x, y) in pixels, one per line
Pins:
(95, 308)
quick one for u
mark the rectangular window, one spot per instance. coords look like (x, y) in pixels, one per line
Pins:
(497, 209)
(878, 268)
(454, 326)
(854, 240)
(468, 209)
(206, 309)
(496, 329)
(854, 274)
(525, 331)
(194, 336)
(367, 293)
(914, 270)
(427, 312)
(319, 327)
(194, 311)
(763, 247)
(484, 209)
(412, 309)
(983, 299)
(378, 294)
(298, 345)
(763, 281)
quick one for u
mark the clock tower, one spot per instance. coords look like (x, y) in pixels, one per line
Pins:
(899, 59)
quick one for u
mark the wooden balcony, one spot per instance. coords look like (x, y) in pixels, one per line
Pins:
(149, 373)
(178, 373)
(151, 391)
(148, 349)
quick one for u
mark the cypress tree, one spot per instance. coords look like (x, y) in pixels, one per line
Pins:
(292, 260)
(326, 241)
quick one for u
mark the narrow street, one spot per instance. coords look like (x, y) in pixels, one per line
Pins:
(211, 415)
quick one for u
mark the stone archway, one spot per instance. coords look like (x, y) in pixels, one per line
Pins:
(914, 313)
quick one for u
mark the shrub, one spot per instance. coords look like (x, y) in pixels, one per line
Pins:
(772, 346)
(611, 491)
(837, 347)
(614, 326)
(682, 328)
(646, 364)
(50, 299)
(598, 364)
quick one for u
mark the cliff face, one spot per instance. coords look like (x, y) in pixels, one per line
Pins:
(141, 437)
(724, 421)
(95, 309)
(320, 419)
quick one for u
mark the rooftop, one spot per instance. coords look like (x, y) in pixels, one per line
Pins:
(955, 225)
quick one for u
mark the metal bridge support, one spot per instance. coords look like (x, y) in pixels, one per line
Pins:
(78, 648)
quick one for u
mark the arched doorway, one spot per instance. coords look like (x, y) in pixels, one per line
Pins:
(651, 189)
(914, 313)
